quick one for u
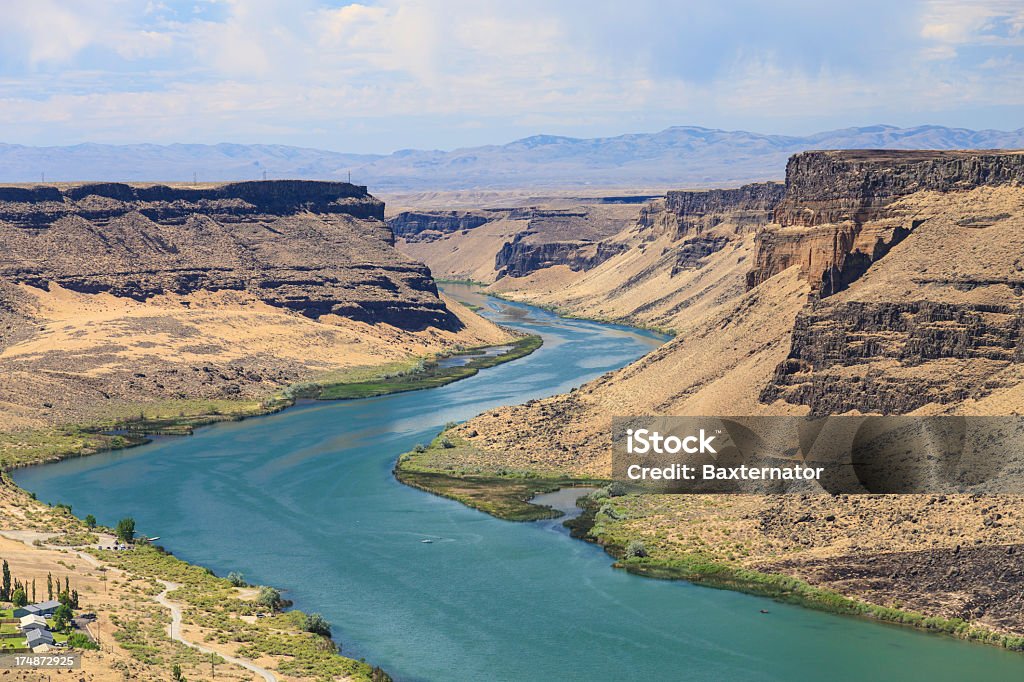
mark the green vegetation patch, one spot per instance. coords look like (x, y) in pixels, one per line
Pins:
(418, 375)
(125, 426)
(503, 493)
(602, 521)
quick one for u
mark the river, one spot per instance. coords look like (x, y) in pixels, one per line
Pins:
(305, 500)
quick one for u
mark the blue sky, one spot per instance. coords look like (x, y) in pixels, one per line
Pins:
(380, 76)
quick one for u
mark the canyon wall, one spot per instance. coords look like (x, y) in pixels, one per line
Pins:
(313, 247)
(495, 243)
(914, 259)
(837, 216)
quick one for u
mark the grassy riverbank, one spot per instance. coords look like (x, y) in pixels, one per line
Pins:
(121, 587)
(424, 373)
(128, 425)
(603, 522)
(504, 494)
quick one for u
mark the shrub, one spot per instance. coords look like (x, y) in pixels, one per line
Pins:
(420, 447)
(447, 444)
(317, 624)
(635, 549)
(237, 579)
(90, 520)
(78, 640)
(125, 530)
(616, 489)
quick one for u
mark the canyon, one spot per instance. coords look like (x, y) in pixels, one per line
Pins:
(883, 282)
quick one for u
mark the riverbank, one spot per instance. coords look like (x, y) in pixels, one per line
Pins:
(131, 425)
(213, 606)
(121, 588)
(602, 523)
(506, 494)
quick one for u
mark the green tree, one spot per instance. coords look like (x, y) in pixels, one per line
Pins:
(33, 590)
(317, 624)
(49, 586)
(237, 579)
(5, 589)
(19, 598)
(176, 673)
(269, 597)
(125, 530)
(90, 520)
(62, 618)
(74, 599)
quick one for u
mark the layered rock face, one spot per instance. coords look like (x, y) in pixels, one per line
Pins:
(313, 247)
(553, 237)
(837, 218)
(426, 226)
(916, 268)
(746, 208)
(703, 222)
(496, 243)
(520, 257)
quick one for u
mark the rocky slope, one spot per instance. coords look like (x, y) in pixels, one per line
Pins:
(487, 245)
(653, 271)
(113, 293)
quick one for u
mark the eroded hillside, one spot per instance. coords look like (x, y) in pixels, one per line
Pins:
(113, 294)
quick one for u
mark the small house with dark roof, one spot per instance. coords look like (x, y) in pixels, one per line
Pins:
(37, 639)
(45, 608)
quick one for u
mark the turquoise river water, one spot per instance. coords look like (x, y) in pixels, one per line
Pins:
(305, 500)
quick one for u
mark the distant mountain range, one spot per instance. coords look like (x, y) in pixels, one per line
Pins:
(681, 156)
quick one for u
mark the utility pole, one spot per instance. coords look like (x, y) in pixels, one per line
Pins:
(350, 177)
(264, 174)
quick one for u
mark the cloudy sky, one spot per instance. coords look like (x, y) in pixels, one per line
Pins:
(380, 76)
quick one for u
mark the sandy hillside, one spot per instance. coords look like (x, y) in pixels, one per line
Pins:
(87, 352)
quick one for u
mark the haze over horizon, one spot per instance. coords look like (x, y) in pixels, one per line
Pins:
(389, 75)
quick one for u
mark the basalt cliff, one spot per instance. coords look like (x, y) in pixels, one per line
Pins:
(316, 248)
(112, 293)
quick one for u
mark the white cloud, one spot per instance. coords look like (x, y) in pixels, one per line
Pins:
(424, 73)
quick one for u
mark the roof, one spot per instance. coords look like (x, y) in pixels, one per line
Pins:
(45, 605)
(32, 619)
(35, 637)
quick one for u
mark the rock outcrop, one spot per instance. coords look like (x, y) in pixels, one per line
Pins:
(703, 222)
(837, 218)
(519, 258)
(914, 259)
(425, 226)
(500, 243)
(313, 247)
